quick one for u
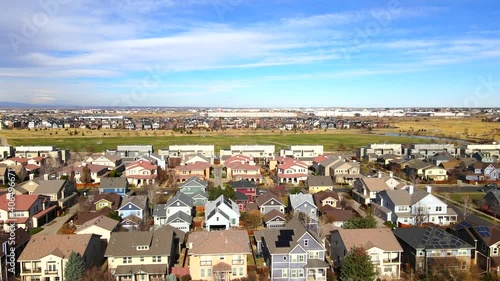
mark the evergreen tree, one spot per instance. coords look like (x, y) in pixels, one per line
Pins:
(357, 266)
(75, 268)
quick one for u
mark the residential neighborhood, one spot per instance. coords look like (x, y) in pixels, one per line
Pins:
(298, 213)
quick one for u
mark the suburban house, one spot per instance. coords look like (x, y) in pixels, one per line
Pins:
(61, 191)
(133, 210)
(200, 170)
(219, 255)
(241, 167)
(319, 183)
(366, 189)
(109, 160)
(45, 256)
(379, 243)
(345, 172)
(492, 171)
(196, 189)
(177, 212)
(427, 248)
(317, 161)
(96, 172)
(491, 201)
(106, 200)
(292, 252)
(292, 171)
(141, 173)
(268, 202)
(436, 173)
(222, 213)
(414, 206)
(21, 238)
(324, 165)
(337, 217)
(327, 198)
(114, 185)
(486, 238)
(274, 219)
(143, 255)
(30, 211)
(303, 203)
(101, 225)
(248, 188)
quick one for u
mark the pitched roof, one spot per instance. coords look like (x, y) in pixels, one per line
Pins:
(337, 214)
(49, 186)
(180, 215)
(60, 245)
(430, 238)
(179, 196)
(193, 166)
(272, 214)
(195, 180)
(84, 217)
(319, 181)
(138, 200)
(126, 243)
(114, 198)
(22, 237)
(403, 197)
(102, 222)
(322, 195)
(228, 242)
(243, 184)
(263, 199)
(23, 201)
(374, 184)
(381, 238)
(300, 198)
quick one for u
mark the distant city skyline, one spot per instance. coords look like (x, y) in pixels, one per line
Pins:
(251, 54)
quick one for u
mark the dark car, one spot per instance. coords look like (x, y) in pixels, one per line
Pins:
(491, 185)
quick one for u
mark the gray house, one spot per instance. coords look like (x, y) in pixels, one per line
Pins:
(304, 203)
(177, 212)
(269, 202)
(61, 191)
(292, 253)
(196, 189)
(492, 200)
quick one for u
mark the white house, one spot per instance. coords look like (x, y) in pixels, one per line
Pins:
(413, 206)
(222, 213)
(177, 212)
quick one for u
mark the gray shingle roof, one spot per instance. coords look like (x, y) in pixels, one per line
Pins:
(194, 180)
(183, 198)
(180, 215)
(49, 186)
(113, 183)
(126, 243)
(138, 200)
(298, 199)
(319, 181)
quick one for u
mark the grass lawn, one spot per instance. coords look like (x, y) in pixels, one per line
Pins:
(90, 143)
(459, 197)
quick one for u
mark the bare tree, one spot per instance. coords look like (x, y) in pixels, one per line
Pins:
(466, 206)
(95, 273)
(152, 194)
(421, 214)
(414, 178)
(85, 177)
(50, 165)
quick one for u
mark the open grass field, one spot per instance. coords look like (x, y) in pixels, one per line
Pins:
(97, 141)
(461, 128)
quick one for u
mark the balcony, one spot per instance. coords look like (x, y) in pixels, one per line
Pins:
(31, 270)
(51, 272)
(238, 262)
(394, 260)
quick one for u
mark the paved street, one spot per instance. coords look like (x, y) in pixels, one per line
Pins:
(57, 223)
(218, 176)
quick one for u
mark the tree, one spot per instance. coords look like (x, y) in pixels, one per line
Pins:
(171, 277)
(85, 177)
(467, 206)
(95, 273)
(75, 268)
(252, 219)
(360, 222)
(421, 214)
(358, 266)
(152, 193)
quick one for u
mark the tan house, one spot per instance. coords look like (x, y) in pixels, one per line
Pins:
(106, 200)
(45, 256)
(319, 183)
(101, 225)
(109, 160)
(380, 244)
(227, 261)
(142, 255)
(200, 170)
(327, 198)
(345, 172)
(141, 172)
(366, 189)
(436, 173)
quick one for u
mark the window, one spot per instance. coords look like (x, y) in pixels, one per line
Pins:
(202, 273)
(156, 258)
(57, 278)
(314, 255)
(127, 260)
(209, 272)
(284, 258)
(284, 273)
(301, 272)
(495, 251)
(439, 208)
(142, 259)
(51, 267)
(293, 273)
(241, 271)
(234, 271)
(221, 258)
(306, 242)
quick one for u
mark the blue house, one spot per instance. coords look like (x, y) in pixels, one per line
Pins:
(133, 210)
(292, 253)
(113, 185)
(196, 189)
(304, 203)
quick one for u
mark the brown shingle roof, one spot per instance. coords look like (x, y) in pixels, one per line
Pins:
(228, 242)
(382, 238)
(102, 222)
(126, 243)
(61, 245)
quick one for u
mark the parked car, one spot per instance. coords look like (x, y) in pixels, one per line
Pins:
(491, 185)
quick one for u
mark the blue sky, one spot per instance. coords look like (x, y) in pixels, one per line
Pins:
(251, 53)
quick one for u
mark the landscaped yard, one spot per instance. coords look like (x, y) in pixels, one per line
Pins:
(459, 197)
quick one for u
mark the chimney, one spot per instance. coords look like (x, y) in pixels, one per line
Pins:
(428, 189)
(379, 175)
(391, 174)
(190, 246)
(46, 177)
(410, 189)
(32, 176)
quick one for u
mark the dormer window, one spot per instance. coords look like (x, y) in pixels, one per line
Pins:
(142, 248)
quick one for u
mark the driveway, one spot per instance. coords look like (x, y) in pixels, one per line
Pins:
(218, 176)
(357, 207)
(54, 226)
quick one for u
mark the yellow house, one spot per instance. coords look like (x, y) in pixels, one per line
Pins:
(319, 183)
(220, 255)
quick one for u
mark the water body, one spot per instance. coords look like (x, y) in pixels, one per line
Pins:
(428, 138)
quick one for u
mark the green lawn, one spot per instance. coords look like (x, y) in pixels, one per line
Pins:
(331, 142)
